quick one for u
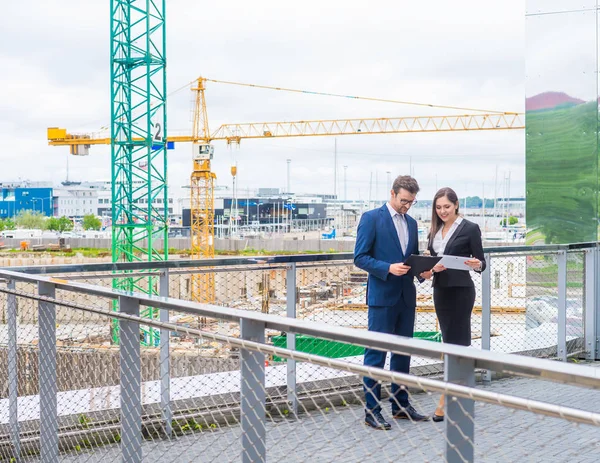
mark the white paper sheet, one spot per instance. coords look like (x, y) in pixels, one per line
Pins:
(455, 262)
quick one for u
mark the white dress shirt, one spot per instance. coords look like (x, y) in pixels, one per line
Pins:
(439, 243)
(401, 227)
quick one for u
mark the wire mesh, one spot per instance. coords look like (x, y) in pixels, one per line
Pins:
(522, 321)
(205, 374)
(330, 423)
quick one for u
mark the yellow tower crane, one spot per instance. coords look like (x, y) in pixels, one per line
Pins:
(202, 177)
(202, 199)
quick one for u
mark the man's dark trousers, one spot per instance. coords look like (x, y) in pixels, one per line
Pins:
(398, 319)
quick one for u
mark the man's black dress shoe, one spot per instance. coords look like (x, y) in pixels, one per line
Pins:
(409, 413)
(437, 418)
(377, 421)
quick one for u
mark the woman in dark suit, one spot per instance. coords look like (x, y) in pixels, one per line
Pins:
(453, 290)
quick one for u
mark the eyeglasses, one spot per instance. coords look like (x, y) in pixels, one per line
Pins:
(406, 202)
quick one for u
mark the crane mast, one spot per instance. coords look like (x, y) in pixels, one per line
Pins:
(138, 142)
(202, 213)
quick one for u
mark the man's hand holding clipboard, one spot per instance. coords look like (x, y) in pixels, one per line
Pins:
(399, 269)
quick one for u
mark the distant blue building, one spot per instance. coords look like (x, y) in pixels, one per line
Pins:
(15, 200)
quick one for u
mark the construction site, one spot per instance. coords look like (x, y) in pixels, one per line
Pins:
(333, 293)
(140, 141)
(139, 158)
(181, 209)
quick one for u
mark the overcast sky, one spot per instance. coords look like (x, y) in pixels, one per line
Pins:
(55, 72)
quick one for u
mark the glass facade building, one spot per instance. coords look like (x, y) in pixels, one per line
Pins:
(562, 121)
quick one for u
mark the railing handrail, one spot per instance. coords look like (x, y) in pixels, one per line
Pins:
(533, 367)
(277, 259)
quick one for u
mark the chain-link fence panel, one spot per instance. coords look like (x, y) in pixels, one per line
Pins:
(523, 302)
(215, 397)
(576, 303)
(516, 292)
(19, 364)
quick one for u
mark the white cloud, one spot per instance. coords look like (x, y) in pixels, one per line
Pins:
(461, 53)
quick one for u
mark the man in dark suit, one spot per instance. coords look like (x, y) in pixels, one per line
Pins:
(385, 238)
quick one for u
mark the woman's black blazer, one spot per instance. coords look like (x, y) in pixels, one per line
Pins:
(465, 242)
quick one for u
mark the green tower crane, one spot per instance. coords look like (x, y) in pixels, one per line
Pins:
(139, 141)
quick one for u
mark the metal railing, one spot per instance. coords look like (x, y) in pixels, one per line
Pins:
(523, 288)
(260, 389)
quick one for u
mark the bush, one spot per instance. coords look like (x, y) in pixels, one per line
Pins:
(512, 220)
(28, 219)
(91, 222)
(60, 225)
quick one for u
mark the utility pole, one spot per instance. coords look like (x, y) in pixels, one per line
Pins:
(509, 192)
(370, 189)
(483, 206)
(233, 209)
(247, 206)
(345, 186)
(495, 190)
(508, 200)
(335, 167)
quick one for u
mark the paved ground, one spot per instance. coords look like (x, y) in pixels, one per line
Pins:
(336, 434)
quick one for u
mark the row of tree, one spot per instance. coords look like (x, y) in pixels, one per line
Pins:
(36, 220)
(471, 202)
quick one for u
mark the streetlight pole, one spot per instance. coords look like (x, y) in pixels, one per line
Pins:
(233, 208)
(345, 186)
(34, 201)
(289, 161)
(335, 167)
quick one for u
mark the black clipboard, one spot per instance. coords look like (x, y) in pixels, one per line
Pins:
(419, 264)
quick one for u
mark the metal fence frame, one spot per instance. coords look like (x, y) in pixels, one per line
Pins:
(291, 262)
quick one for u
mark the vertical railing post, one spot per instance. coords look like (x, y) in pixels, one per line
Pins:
(596, 307)
(13, 372)
(291, 297)
(590, 313)
(47, 375)
(486, 310)
(562, 305)
(460, 412)
(130, 378)
(165, 373)
(253, 394)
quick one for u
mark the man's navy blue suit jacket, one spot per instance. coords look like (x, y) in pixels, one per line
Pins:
(377, 246)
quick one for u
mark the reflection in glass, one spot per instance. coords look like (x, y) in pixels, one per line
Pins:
(562, 124)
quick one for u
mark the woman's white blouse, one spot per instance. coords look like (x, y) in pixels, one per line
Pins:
(439, 243)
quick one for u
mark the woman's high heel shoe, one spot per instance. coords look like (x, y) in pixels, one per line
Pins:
(438, 415)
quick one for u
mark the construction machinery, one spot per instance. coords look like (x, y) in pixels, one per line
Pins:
(138, 145)
(202, 177)
(202, 198)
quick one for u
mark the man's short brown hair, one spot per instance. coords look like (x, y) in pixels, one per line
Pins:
(406, 182)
